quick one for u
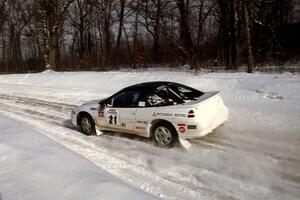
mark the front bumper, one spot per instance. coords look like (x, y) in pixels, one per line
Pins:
(74, 118)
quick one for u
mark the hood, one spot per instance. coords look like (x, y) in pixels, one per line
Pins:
(92, 102)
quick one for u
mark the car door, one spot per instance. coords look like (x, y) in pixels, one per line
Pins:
(121, 113)
(152, 105)
(145, 113)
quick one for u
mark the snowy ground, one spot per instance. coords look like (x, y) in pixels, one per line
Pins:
(34, 167)
(255, 155)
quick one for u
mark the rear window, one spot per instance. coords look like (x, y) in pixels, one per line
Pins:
(186, 93)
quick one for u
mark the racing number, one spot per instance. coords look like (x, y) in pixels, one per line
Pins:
(112, 119)
(112, 116)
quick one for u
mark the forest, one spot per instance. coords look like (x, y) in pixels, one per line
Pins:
(73, 35)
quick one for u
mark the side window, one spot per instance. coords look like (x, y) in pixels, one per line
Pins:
(156, 99)
(126, 99)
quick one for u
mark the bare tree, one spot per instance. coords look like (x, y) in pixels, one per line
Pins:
(105, 34)
(248, 37)
(78, 18)
(53, 12)
(120, 30)
(2, 13)
(18, 18)
(152, 13)
(107, 31)
(187, 46)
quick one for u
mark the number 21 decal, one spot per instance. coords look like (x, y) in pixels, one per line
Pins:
(112, 116)
(112, 119)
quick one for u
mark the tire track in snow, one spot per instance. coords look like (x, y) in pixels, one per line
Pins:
(33, 102)
(287, 178)
(208, 141)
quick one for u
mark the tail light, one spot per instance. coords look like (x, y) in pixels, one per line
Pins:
(191, 114)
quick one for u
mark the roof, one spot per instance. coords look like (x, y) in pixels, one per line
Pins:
(146, 85)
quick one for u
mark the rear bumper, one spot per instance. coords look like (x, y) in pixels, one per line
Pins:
(196, 133)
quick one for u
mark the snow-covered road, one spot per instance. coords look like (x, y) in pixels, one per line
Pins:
(255, 155)
(34, 167)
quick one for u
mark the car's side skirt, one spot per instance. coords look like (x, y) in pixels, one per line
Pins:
(105, 128)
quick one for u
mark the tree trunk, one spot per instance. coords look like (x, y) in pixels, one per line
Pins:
(52, 22)
(135, 38)
(247, 33)
(53, 51)
(156, 45)
(185, 34)
(107, 33)
(122, 8)
(231, 61)
(15, 52)
(51, 62)
(200, 24)
(128, 44)
(2, 14)
(101, 47)
(3, 47)
(81, 40)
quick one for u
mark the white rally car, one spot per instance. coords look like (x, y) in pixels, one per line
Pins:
(164, 111)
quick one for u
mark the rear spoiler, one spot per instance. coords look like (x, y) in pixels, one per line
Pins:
(203, 97)
(207, 95)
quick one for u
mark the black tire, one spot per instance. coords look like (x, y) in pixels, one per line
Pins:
(164, 135)
(87, 125)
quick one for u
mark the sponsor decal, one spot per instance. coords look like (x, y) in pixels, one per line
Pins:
(192, 126)
(180, 115)
(181, 128)
(141, 122)
(112, 111)
(123, 124)
(164, 114)
(101, 114)
(93, 108)
(142, 104)
(140, 127)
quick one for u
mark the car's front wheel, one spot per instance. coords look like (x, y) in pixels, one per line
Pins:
(87, 125)
(164, 135)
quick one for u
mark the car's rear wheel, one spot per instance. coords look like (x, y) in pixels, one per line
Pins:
(87, 125)
(164, 135)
